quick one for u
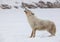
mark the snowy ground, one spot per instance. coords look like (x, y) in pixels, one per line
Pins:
(14, 26)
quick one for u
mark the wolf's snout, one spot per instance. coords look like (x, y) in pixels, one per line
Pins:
(24, 11)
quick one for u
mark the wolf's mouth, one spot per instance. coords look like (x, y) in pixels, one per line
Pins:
(25, 11)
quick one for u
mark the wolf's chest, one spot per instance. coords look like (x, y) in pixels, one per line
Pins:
(32, 21)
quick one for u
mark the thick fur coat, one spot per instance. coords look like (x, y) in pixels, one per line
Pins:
(39, 24)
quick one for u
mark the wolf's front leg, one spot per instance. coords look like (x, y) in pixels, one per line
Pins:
(33, 33)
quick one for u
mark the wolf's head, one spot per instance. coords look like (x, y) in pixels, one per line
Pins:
(28, 12)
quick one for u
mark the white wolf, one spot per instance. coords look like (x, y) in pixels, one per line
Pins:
(39, 24)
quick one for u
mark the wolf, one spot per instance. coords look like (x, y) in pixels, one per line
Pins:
(39, 24)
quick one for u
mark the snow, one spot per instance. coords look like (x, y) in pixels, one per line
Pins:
(14, 26)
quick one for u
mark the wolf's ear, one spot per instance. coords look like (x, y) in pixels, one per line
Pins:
(32, 13)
